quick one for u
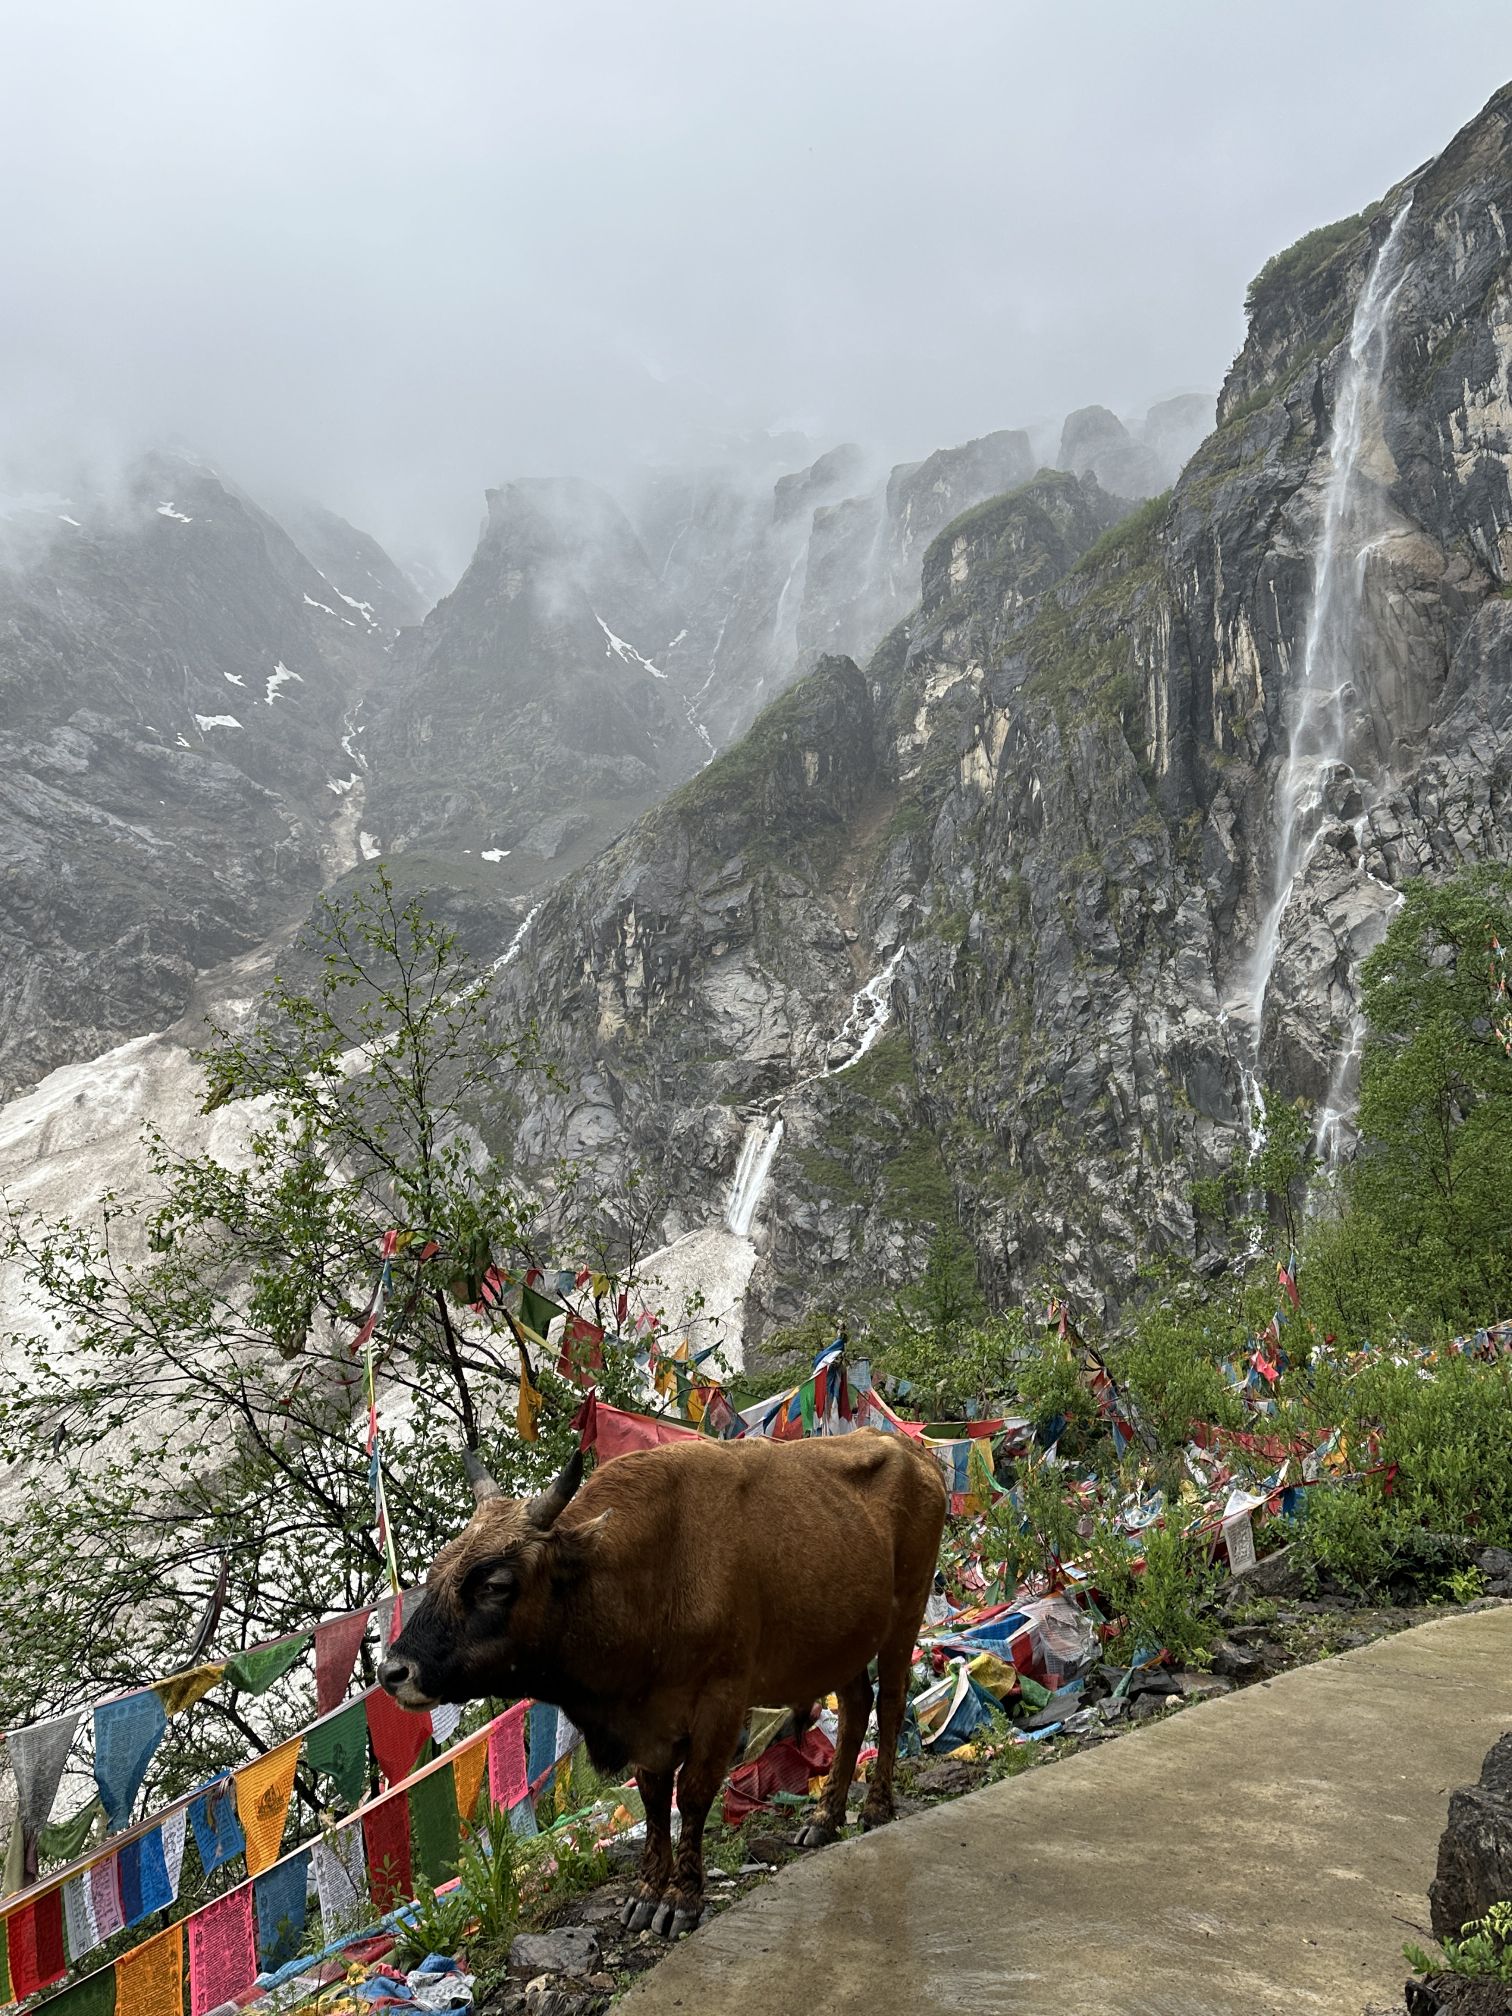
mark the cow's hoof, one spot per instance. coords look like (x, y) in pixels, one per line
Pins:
(815, 1835)
(638, 1913)
(672, 1920)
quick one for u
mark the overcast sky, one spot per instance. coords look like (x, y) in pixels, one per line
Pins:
(391, 253)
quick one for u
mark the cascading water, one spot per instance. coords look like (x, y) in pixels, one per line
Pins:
(1319, 749)
(756, 1153)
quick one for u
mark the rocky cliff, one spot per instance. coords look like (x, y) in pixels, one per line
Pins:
(180, 758)
(1117, 812)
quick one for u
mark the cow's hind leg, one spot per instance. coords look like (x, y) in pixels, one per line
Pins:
(698, 1781)
(656, 1861)
(855, 1710)
(893, 1664)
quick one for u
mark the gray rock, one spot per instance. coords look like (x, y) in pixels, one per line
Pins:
(1273, 1575)
(1475, 1851)
(570, 1949)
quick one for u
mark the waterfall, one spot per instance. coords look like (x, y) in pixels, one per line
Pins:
(756, 1152)
(869, 1015)
(1319, 748)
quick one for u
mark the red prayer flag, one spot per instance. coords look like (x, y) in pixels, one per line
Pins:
(582, 1348)
(616, 1432)
(386, 1836)
(222, 1951)
(398, 1734)
(508, 1782)
(335, 1655)
(36, 1944)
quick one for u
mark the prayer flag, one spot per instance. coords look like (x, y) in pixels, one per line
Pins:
(126, 1736)
(217, 1833)
(385, 1833)
(34, 1938)
(398, 1735)
(256, 1670)
(263, 1790)
(508, 1780)
(175, 1827)
(37, 1756)
(528, 1410)
(105, 1896)
(338, 1749)
(63, 1840)
(222, 1951)
(149, 1981)
(80, 1933)
(435, 1841)
(582, 1349)
(537, 1314)
(184, 1689)
(469, 1763)
(445, 1717)
(336, 1646)
(95, 1995)
(144, 1876)
(340, 1880)
(278, 1901)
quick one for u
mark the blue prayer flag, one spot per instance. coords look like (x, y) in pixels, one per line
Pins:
(217, 1831)
(278, 1897)
(145, 1887)
(126, 1736)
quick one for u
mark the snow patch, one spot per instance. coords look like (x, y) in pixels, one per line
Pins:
(233, 678)
(311, 603)
(206, 721)
(618, 648)
(70, 521)
(166, 510)
(495, 854)
(677, 640)
(368, 843)
(280, 676)
(341, 785)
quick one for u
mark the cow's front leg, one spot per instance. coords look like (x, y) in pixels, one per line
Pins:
(855, 1712)
(699, 1780)
(655, 1788)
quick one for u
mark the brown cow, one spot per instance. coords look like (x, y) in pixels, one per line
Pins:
(678, 1588)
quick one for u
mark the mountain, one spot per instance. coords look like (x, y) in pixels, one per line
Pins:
(375, 592)
(180, 766)
(1108, 825)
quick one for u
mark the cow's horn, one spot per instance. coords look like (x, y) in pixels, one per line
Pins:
(547, 1506)
(483, 1485)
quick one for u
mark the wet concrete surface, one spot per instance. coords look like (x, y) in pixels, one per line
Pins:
(1263, 1854)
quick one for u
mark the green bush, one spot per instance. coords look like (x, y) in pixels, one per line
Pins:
(1167, 1603)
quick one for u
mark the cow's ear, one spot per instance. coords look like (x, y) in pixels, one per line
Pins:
(490, 1584)
(575, 1548)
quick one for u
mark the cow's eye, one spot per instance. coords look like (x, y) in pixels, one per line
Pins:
(492, 1582)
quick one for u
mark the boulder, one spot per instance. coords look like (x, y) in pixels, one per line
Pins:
(1475, 1852)
(570, 1949)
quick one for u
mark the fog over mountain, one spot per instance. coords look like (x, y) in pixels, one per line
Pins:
(390, 259)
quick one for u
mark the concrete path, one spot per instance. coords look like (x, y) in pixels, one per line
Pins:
(1260, 1855)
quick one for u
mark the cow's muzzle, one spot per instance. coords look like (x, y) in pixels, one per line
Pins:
(397, 1676)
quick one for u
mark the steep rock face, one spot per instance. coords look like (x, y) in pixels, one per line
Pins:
(373, 591)
(178, 768)
(1095, 442)
(1065, 855)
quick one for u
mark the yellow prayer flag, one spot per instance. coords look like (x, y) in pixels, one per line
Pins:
(469, 1766)
(149, 1980)
(600, 1285)
(263, 1791)
(527, 1413)
(184, 1689)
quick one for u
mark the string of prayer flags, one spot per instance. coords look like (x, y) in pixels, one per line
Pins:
(149, 1981)
(217, 1831)
(528, 1409)
(435, 1835)
(37, 1756)
(184, 1689)
(386, 1837)
(340, 1877)
(263, 1791)
(34, 1941)
(336, 1647)
(255, 1671)
(398, 1735)
(337, 1749)
(127, 1733)
(222, 1951)
(279, 1906)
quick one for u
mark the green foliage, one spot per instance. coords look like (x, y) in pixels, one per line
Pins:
(1483, 1951)
(1434, 1174)
(1036, 1529)
(484, 1906)
(1167, 1603)
(1286, 270)
(938, 1336)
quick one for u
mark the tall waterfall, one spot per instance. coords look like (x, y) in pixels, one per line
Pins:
(756, 1152)
(1319, 747)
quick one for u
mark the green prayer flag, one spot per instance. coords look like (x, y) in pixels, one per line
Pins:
(1031, 1693)
(5, 1980)
(254, 1672)
(435, 1840)
(536, 1314)
(806, 1406)
(63, 1840)
(339, 1749)
(95, 1995)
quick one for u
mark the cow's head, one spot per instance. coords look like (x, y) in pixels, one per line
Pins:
(489, 1594)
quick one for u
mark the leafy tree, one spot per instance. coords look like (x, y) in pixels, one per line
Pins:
(1435, 1168)
(938, 1336)
(194, 1433)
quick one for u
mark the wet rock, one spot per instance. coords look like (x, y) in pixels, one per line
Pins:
(769, 1847)
(1204, 1686)
(1495, 1563)
(944, 1777)
(1240, 1663)
(1475, 1851)
(1278, 1574)
(570, 1949)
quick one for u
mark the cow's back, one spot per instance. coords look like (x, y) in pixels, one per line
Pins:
(788, 1561)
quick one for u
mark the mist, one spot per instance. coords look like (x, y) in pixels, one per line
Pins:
(389, 256)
